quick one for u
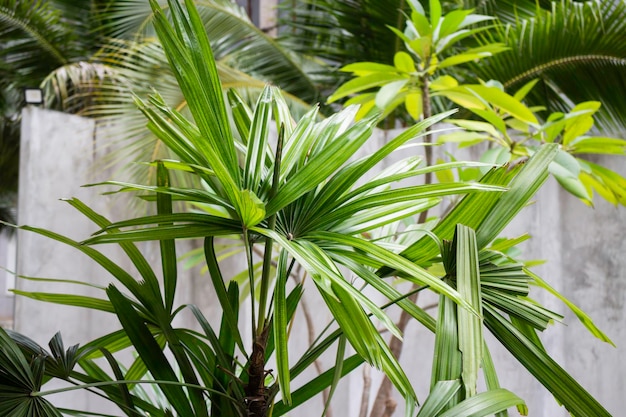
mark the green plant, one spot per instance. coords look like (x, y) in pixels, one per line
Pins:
(511, 128)
(572, 47)
(302, 198)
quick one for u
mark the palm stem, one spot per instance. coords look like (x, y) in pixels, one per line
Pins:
(267, 257)
(249, 255)
(428, 138)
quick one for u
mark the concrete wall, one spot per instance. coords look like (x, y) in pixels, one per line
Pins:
(584, 248)
(58, 155)
(7, 267)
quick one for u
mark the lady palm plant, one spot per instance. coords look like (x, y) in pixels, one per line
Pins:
(298, 195)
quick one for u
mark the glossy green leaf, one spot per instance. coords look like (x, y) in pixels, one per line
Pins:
(582, 316)
(334, 192)
(69, 299)
(484, 404)
(252, 209)
(388, 93)
(413, 104)
(280, 328)
(258, 143)
(130, 249)
(403, 62)
(611, 179)
(361, 69)
(339, 359)
(149, 350)
(565, 389)
(598, 145)
(461, 97)
(461, 59)
(452, 22)
(415, 193)
(469, 325)
(477, 126)
(422, 47)
(525, 89)
(440, 395)
(566, 170)
(412, 271)
(187, 48)
(242, 115)
(320, 166)
(443, 82)
(505, 102)
(492, 117)
(491, 377)
(463, 138)
(420, 24)
(522, 188)
(593, 183)
(229, 315)
(435, 12)
(447, 359)
(580, 125)
(363, 83)
(395, 296)
(167, 246)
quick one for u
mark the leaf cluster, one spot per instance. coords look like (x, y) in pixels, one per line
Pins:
(296, 188)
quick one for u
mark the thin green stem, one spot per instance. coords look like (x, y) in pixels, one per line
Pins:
(428, 138)
(249, 255)
(108, 383)
(265, 276)
(267, 256)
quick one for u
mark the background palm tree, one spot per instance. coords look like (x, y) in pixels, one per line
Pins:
(35, 38)
(87, 56)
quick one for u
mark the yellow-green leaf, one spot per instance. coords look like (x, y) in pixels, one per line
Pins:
(366, 82)
(366, 68)
(444, 82)
(505, 102)
(403, 62)
(413, 104)
(251, 208)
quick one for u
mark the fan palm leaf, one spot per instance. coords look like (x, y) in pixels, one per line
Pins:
(233, 36)
(106, 86)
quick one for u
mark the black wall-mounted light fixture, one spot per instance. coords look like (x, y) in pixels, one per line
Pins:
(33, 95)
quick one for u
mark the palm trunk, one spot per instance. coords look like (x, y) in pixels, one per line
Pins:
(256, 392)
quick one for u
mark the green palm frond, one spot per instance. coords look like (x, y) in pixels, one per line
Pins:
(509, 11)
(576, 50)
(34, 38)
(233, 37)
(105, 88)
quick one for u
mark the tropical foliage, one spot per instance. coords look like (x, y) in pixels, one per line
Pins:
(92, 52)
(292, 189)
(514, 128)
(95, 52)
(574, 48)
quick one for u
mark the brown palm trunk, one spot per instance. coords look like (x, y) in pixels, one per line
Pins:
(256, 392)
